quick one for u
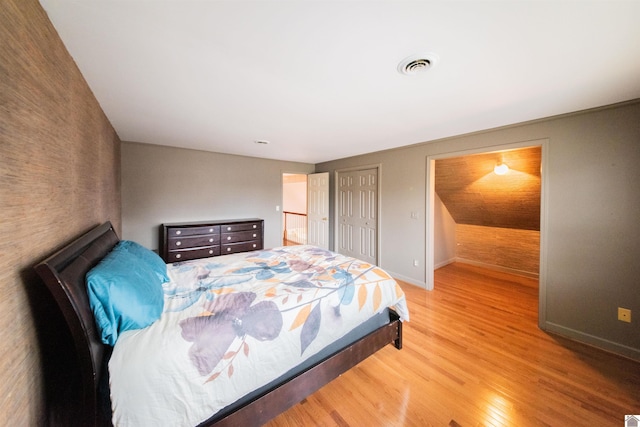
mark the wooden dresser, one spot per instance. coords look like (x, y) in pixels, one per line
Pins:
(183, 241)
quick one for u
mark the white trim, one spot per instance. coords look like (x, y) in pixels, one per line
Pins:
(409, 280)
(445, 262)
(497, 268)
(614, 347)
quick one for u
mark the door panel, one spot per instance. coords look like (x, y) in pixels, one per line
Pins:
(358, 224)
(318, 209)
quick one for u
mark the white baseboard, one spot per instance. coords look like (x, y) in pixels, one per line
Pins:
(601, 343)
(409, 280)
(443, 263)
(498, 268)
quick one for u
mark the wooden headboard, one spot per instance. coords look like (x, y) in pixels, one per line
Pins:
(64, 275)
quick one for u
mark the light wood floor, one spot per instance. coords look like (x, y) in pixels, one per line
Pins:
(474, 356)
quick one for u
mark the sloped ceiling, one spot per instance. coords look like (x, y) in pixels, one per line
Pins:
(475, 195)
(318, 79)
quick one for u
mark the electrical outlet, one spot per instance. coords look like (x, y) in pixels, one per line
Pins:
(624, 314)
(415, 262)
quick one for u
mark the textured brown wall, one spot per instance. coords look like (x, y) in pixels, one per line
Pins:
(475, 195)
(505, 248)
(59, 176)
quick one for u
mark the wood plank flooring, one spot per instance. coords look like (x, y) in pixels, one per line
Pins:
(474, 356)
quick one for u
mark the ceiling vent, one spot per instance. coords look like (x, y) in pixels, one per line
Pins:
(417, 64)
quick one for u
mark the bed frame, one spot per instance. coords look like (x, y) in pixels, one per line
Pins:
(64, 275)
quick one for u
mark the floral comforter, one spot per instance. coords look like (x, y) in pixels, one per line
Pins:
(234, 323)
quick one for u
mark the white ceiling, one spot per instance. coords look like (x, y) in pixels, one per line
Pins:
(318, 79)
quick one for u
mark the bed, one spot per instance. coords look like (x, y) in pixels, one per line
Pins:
(221, 318)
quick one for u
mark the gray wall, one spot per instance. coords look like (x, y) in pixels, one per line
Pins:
(592, 243)
(164, 184)
(590, 246)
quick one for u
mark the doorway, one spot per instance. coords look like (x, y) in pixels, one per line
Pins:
(305, 213)
(294, 209)
(432, 203)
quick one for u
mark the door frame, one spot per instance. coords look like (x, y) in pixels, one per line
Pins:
(336, 210)
(430, 214)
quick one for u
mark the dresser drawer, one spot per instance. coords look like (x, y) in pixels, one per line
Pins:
(175, 256)
(192, 231)
(232, 248)
(240, 236)
(181, 241)
(193, 241)
(230, 228)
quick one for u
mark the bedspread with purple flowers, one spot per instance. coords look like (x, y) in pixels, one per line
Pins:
(233, 323)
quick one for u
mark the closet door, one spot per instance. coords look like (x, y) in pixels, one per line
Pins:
(358, 214)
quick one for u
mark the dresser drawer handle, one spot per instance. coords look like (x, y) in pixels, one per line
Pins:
(228, 249)
(255, 226)
(210, 251)
(210, 240)
(254, 234)
(229, 238)
(178, 256)
(228, 228)
(211, 230)
(178, 232)
(254, 245)
(178, 243)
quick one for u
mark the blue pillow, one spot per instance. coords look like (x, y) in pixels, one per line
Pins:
(147, 256)
(125, 293)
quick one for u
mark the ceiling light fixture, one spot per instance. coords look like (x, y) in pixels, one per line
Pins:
(501, 168)
(417, 64)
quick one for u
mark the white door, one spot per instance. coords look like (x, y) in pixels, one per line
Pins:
(358, 214)
(318, 209)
